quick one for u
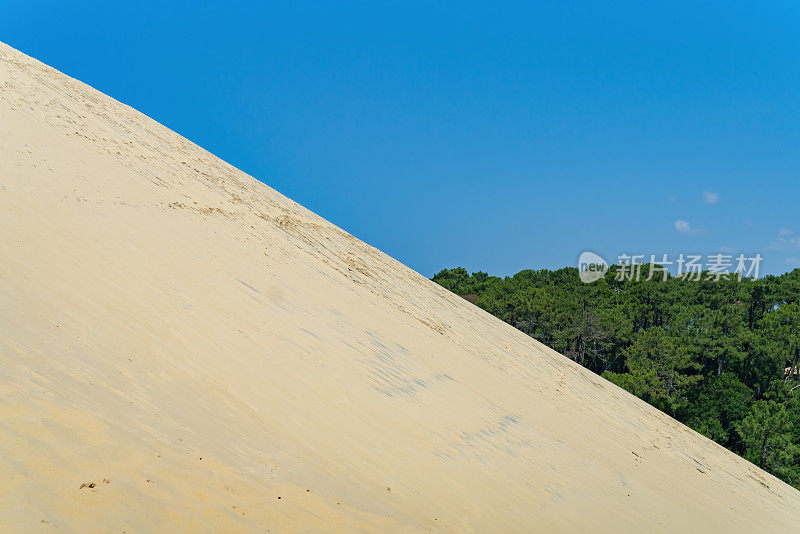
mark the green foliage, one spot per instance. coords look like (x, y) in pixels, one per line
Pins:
(660, 370)
(719, 403)
(767, 438)
(717, 355)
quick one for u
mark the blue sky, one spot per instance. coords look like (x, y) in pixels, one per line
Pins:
(492, 136)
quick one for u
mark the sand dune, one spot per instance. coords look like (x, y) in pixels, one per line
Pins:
(183, 348)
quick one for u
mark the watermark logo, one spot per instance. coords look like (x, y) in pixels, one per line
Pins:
(629, 267)
(591, 267)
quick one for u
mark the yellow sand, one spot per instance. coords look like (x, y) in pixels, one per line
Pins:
(211, 356)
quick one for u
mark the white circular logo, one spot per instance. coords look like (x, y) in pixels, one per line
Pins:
(591, 267)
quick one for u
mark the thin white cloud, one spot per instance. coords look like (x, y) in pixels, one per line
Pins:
(683, 226)
(784, 243)
(710, 197)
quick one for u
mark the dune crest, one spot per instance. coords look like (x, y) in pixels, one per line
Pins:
(184, 348)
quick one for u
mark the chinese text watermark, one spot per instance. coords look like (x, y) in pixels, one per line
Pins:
(695, 267)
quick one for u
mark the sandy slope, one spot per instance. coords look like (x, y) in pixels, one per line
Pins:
(226, 360)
